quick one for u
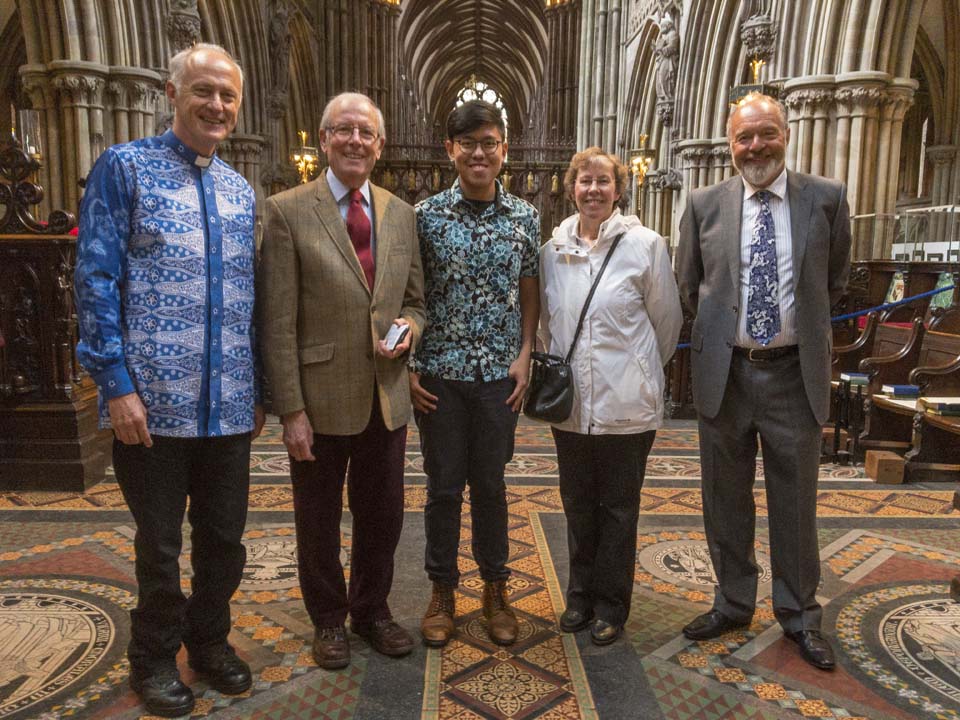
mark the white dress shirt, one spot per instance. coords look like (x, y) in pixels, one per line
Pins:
(780, 209)
(341, 193)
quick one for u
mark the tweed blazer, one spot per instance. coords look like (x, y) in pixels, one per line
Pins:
(319, 323)
(708, 274)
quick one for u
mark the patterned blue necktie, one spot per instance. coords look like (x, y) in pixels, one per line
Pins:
(763, 296)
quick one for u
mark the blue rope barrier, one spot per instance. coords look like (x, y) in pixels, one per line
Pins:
(885, 306)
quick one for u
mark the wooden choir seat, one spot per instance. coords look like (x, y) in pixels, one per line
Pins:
(926, 441)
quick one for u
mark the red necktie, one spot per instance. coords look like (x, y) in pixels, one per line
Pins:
(358, 228)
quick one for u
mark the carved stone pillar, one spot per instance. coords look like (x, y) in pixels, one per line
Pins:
(808, 100)
(243, 153)
(183, 24)
(944, 158)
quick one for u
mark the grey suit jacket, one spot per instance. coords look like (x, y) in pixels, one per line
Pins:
(708, 270)
(319, 322)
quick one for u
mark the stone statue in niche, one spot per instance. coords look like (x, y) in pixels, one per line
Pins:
(667, 51)
(280, 46)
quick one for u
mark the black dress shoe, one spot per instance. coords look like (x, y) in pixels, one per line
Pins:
(223, 670)
(603, 633)
(162, 692)
(814, 648)
(711, 625)
(572, 621)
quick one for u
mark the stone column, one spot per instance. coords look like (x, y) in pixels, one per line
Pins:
(944, 158)
(80, 86)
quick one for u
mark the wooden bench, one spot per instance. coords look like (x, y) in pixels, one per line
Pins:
(935, 452)
(891, 423)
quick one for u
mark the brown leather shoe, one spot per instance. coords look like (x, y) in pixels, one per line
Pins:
(437, 624)
(501, 621)
(330, 647)
(385, 636)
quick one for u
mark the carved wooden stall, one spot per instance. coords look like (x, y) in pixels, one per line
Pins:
(48, 406)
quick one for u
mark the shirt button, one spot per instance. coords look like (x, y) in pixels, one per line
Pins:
(216, 311)
(215, 373)
(213, 250)
(216, 342)
(215, 281)
(209, 191)
(213, 220)
(213, 404)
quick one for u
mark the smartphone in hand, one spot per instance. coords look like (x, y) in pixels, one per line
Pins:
(395, 336)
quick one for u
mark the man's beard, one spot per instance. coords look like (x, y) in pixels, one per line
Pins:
(761, 174)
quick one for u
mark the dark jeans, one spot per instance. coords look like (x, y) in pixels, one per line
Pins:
(375, 493)
(214, 473)
(600, 481)
(467, 440)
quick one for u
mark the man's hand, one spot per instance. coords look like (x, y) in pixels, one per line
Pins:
(422, 400)
(298, 435)
(520, 372)
(401, 347)
(128, 417)
(259, 418)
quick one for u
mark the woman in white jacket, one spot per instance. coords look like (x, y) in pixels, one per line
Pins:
(629, 333)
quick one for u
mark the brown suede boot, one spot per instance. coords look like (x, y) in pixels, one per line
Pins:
(437, 624)
(501, 621)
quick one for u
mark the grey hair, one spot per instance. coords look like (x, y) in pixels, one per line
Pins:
(178, 63)
(356, 97)
(757, 97)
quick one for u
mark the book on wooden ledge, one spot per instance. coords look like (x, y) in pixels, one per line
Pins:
(855, 378)
(940, 405)
(901, 391)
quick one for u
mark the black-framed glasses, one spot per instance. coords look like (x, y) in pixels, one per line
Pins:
(345, 132)
(488, 145)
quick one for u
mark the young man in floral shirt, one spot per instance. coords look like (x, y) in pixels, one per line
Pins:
(480, 249)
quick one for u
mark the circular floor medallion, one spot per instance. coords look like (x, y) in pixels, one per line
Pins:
(904, 640)
(55, 636)
(687, 561)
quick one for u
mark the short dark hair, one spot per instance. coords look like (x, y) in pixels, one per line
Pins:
(472, 115)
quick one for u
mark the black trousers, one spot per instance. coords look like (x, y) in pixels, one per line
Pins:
(375, 492)
(600, 481)
(214, 473)
(467, 440)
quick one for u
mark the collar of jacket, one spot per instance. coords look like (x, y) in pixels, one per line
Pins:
(564, 240)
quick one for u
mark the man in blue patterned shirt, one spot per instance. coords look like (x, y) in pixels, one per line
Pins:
(164, 284)
(480, 248)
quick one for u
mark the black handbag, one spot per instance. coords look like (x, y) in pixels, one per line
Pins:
(550, 393)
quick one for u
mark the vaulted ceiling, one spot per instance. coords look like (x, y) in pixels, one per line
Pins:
(502, 43)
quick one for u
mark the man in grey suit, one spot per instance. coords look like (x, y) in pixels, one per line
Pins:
(762, 259)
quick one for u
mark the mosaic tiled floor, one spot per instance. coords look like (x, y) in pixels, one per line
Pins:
(66, 585)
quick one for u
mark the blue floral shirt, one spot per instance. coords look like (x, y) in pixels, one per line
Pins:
(473, 260)
(164, 286)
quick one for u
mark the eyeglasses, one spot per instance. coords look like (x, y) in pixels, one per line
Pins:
(345, 132)
(488, 145)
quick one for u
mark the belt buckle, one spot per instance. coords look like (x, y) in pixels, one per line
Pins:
(751, 358)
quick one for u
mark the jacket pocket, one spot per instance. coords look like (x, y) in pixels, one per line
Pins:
(316, 354)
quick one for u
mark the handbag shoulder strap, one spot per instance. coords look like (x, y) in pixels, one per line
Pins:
(593, 289)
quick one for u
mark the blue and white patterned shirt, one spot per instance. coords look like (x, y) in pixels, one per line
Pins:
(164, 286)
(473, 260)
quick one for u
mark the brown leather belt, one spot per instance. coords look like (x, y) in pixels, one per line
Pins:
(766, 354)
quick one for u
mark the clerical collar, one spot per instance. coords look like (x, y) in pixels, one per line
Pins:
(201, 161)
